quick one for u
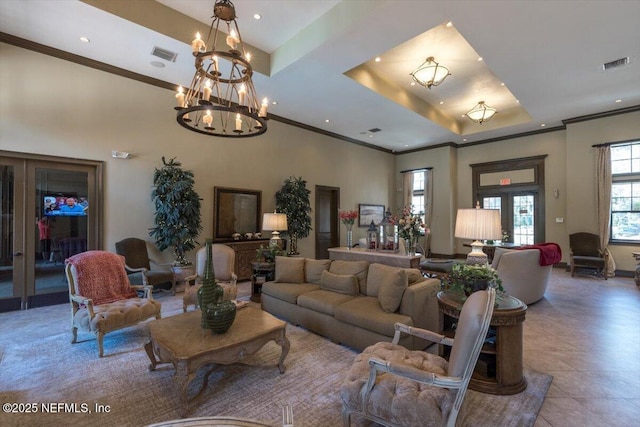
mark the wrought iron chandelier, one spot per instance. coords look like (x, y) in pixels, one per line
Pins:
(481, 113)
(430, 73)
(221, 100)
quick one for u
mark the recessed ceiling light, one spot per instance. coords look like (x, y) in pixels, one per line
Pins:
(326, 121)
(274, 102)
(502, 84)
(84, 39)
(413, 83)
(257, 16)
(449, 24)
(406, 145)
(464, 139)
(517, 101)
(480, 59)
(441, 102)
(157, 64)
(542, 125)
(618, 100)
(370, 136)
(463, 116)
(378, 59)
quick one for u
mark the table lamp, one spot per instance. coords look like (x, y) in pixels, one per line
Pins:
(274, 222)
(478, 224)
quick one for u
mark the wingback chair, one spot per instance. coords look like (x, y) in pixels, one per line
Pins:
(224, 258)
(138, 264)
(587, 254)
(394, 386)
(102, 298)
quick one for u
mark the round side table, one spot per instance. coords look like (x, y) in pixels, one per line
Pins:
(499, 366)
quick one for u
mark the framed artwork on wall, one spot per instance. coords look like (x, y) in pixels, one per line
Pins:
(368, 213)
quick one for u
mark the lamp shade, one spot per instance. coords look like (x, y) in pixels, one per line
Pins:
(274, 221)
(481, 112)
(478, 224)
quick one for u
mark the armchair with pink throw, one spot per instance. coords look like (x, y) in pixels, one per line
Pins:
(525, 273)
(102, 298)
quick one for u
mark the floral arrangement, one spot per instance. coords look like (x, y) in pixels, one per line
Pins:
(348, 217)
(410, 224)
(467, 278)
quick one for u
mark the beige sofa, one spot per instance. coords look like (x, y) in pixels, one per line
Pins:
(352, 302)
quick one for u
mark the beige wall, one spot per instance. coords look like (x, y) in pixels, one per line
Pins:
(75, 111)
(569, 168)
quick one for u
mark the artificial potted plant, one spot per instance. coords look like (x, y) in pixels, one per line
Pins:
(177, 216)
(293, 200)
(468, 278)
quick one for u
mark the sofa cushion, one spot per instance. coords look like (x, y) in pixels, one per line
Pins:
(366, 313)
(414, 275)
(342, 283)
(313, 268)
(288, 292)
(357, 268)
(289, 270)
(323, 301)
(391, 291)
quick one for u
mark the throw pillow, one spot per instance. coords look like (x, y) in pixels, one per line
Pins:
(388, 284)
(341, 283)
(413, 275)
(357, 268)
(313, 269)
(289, 269)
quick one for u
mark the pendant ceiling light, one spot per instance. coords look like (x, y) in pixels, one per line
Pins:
(221, 100)
(430, 73)
(481, 112)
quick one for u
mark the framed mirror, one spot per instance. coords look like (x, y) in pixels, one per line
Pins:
(236, 211)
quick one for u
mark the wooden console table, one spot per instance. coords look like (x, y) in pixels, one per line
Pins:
(499, 367)
(245, 255)
(395, 259)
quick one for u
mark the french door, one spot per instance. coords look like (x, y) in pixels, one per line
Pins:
(520, 215)
(49, 210)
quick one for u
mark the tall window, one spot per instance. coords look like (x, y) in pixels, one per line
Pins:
(625, 192)
(417, 195)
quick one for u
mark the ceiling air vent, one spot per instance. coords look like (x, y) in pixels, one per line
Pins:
(374, 130)
(615, 64)
(165, 54)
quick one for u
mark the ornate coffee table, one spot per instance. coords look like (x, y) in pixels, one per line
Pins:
(181, 341)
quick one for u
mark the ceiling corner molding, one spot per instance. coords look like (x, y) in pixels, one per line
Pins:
(601, 115)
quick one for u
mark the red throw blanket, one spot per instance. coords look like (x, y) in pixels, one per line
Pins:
(550, 253)
(100, 276)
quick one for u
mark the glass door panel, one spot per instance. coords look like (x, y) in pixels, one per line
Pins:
(11, 259)
(523, 220)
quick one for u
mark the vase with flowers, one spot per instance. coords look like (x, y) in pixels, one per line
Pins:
(410, 228)
(348, 217)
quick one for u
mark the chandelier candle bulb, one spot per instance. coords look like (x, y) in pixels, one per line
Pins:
(263, 108)
(238, 122)
(207, 91)
(241, 94)
(215, 62)
(207, 119)
(180, 97)
(232, 39)
(197, 44)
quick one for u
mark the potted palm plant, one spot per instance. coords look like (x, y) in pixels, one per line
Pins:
(293, 199)
(177, 216)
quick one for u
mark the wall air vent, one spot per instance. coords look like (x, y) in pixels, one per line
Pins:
(165, 54)
(615, 64)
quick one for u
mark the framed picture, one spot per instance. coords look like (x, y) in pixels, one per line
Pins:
(368, 213)
(236, 211)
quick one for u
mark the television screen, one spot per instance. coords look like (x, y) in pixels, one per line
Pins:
(61, 205)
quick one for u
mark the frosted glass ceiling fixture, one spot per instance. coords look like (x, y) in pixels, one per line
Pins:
(221, 100)
(481, 113)
(430, 73)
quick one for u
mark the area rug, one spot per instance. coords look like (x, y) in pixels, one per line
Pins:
(39, 366)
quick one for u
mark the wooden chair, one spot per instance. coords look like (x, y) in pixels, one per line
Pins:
(586, 254)
(102, 298)
(394, 386)
(138, 265)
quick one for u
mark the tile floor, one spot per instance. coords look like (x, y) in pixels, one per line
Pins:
(586, 333)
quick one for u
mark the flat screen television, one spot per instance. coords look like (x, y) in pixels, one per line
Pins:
(65, 205)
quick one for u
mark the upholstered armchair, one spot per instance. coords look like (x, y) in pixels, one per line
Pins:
(587, 254)
(224, 258)
(138, 265)
(394, 386)
(521, 273)
(102, 298)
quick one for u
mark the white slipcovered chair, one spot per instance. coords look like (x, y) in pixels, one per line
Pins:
(102, 298)
(394, 386)
(521, 273)
(224, 258)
